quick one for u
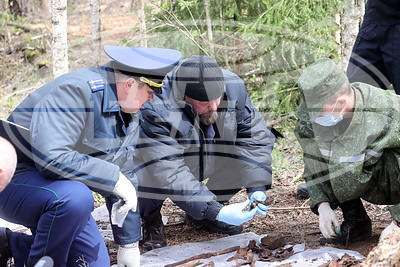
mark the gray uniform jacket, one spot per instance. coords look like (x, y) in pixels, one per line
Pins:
(359, 160)
(77, 130)
(176, 153)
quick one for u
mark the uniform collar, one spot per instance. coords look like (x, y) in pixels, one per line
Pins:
(110, 99)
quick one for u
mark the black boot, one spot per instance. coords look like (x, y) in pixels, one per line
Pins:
(215, 226)
(302, 190)
(5, 249)
(356, 225)
(153, 231)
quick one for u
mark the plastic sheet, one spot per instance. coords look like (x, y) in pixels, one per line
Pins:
(302, 257)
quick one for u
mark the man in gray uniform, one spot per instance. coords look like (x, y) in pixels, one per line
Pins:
(203, 126)
(83, 130)
(350, 138)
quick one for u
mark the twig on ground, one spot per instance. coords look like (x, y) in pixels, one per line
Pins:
(288, 208)
(176, 223)
(24, 28)
(204, 256)
(190, 264)
(306, 202)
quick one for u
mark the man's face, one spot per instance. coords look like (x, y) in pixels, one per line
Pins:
(134, 95)
(207, 110)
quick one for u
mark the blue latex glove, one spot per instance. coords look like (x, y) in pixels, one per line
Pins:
(233, 214)
(261, 208)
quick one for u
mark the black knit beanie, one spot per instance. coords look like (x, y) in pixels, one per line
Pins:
(200, 78)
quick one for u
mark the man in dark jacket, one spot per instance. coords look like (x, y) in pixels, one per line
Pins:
(202, 128)
(83, 127)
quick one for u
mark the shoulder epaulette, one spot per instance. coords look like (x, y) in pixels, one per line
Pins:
(96, 85)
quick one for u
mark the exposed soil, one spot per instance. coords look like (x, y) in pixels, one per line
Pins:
(288, 217)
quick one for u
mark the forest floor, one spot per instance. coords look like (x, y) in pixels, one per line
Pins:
(22, 73)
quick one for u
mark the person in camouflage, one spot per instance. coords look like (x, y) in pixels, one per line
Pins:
(350, 136)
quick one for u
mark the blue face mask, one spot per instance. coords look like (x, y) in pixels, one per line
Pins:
(328, 119)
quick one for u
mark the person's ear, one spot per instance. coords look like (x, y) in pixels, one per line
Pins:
(341, 102)
(128, 84)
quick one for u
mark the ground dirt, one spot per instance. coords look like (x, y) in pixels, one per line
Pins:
(288, 216)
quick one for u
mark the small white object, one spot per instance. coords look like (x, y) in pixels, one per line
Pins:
(387, 230)
(125, 190)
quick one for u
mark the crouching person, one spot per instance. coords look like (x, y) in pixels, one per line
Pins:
(350, 136)
(202, 127)
(83, 130)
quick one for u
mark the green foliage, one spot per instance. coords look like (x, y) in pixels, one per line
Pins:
(98, 199)
(267, 43)
(30, 55)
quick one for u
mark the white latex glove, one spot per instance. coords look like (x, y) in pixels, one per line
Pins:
(327, 220)
(128, 255)
(124, 190)
(387, 230)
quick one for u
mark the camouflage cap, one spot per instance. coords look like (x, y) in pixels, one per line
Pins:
(319, 82)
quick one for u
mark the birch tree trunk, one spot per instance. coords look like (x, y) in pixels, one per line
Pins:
(352, 14)
(95, 27)
(59, 43)
(209, 25)
(142, 22)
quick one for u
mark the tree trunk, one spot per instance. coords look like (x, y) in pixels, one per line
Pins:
(209, 25)
(95, 27)
(142, 23)
(352, 14)
(59, 44)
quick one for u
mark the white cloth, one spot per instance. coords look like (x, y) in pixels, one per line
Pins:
(171, 254)
(125, 190)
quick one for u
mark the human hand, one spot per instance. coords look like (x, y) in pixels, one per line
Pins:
(128, 255)
(259, 196)
(124, 190)
(234, 214)
(328, 220)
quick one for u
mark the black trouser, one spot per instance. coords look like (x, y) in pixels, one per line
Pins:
(375, 58)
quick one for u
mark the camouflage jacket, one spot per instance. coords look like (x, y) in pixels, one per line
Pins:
(357, 159)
